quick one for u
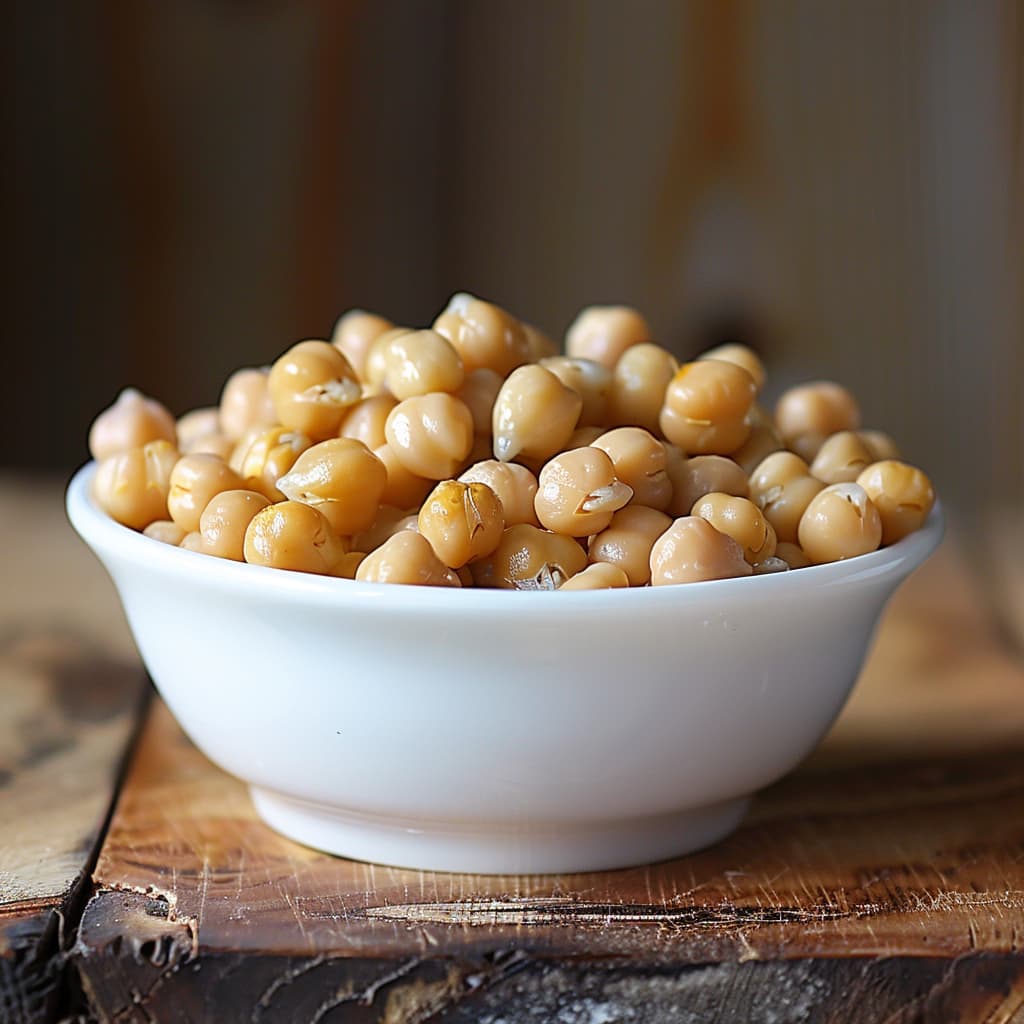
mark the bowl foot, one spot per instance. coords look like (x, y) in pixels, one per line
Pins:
(489, 849)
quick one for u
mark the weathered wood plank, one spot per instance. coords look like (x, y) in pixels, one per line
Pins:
(889, 870)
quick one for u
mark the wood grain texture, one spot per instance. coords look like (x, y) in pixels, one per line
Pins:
(882, 881)
(71, 697)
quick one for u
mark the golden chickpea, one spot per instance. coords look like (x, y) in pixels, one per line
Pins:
(902, 494)
(740, 355)
(581, 437)
(193, 542)
(463, 522)
(420, 362)
(348, 565)
(406, 557)
(639, 381)
(538, 344)
(293, 535)
(840, 522)
(212, 444)
(389, 521)
(693, 478)
(312, 385)
(354, 333)
(224, 521)
(841, 458)
(603, 333)
(641, 463)
(770, 566)
(341, 478)
(403, 489)
(194, 480)
(879, 444)
(784, 506)
(792, 555)
(166, 531)
(627, 541)
(692, 550)
(375, 367)
(706, 404)
(365, 420)
(742, 520)
(807, 446)
(578, 493)
(763, 441)
(131, 422)
(599, 576)
(821, 407)
(773, 471)
(431, 435)
(267, 457)
(245, 403)
(591, 380)
(132, 486)
(196, 425)
(528, 558)
(483, 334)
(515, 486)
(534, 414)
(480, 391)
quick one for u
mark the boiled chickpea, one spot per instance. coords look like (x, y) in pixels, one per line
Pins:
(534, 414)
(774, 471)
(841, 458)
(539, 345)
(375, 367)
(420, 362)
(640, 462)
(792, 555)
(196, 425)
(739, 355)
(627, 541)
(763, 441)
(193, 542)
(212, 444)
(819, 408)
(582, 436)
(431, 435)
(402, 489)
(515, 486)
(267, 457)
(406, 557)
(770, 566)
(483, 334)
(603, 333)
(312, 385)
(902, 494)
(293, 535)
(706, 405)
(365, 420)
(224, 521)
(194, 480)
(784, 506)
(693, 478)
(463, 522)
(591, 380)
(639, 381)
(880, 444)
(691, 550)
(479, 391)
(132, 486)
(840, 522)
(166, 531)
(528, 558)
(578, 492)
(245, 403)
(742, 520)
(131, 422)
(354, 333)
(599, 576)
(389, 521)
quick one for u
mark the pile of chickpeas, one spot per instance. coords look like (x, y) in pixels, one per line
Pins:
(473, 453)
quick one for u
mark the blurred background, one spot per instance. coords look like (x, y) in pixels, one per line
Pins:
(198, 184)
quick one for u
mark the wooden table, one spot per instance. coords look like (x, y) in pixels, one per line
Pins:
(883, 881)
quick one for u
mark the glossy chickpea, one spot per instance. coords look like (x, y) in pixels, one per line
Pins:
(781, 486)
(691, 550)
(627, 541)
(483, 334)
(224, 521)
(515, 486)
(406, 557)
(880, 444)
(539, 345)
(389, 521)
(792, 555)
(266, 458)
(348, 565)
(763, 440)
(196, 425)
(591, 380)
(341, 478)
(463, 522)
(641, 463)
(841, 458)
(365, 420)
(375, 367)
(193, 542)
(581, 437)
(166, 531)
(739, 355)
(639, 381)
(402, 489)
(769, 566)
(528, 558)
(705, 408)
(212, 444)
(814, 411)
(902, 494)
(312, 385)
(132, 486)
(840, 522)
(742, 520)
(131, 422)
(420, 362)
(578, 493)
(431, 435)
(194, 480)
(479, 391)
(534, 414)
(293, 535)
(603, 333)
(245, 403)
(354, 333)
(599, 576)
(693, 478)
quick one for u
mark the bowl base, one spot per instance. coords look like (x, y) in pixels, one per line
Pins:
(490, 849)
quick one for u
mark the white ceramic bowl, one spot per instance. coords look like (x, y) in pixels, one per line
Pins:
(492, 731)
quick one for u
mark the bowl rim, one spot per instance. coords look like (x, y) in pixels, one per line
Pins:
(104, 534)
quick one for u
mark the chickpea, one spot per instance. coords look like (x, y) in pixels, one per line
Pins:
(196, 425)
(902, 494)
(403, 488)
(131, 422)
(194, 480)
(784, 505)
(740, 355)
(693, 478)
(341, 478)
(482, 450)
(841, 458)
(293, 535)
(599, 576)
(245, 403)
(581, 437)
(763, 441)
(267, 457)
(627, 541)
(375, 368)
(639, 381)
(770, 566)
(819, 408)
(463, 522)
(640, 462)
(365, 420)
(431, 435)
(534, 414)
(354, 333)
(515, 486)
(132, 486)
(224, 521)
(406, 557)
(742, 520)
(420, 362)
(389, 521)
(311, 386)
(692, 550)
(528, 558)
(348, 565)
(603, 333)
(774, 471)
(212, 444)
(483, 334)
(840, 522)
(591, 380)
(578, 493)
(879, 444)
(166, 531)
(706, 404)
(480, 391)
(193, 542)
(539, 345)
(792, 555)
